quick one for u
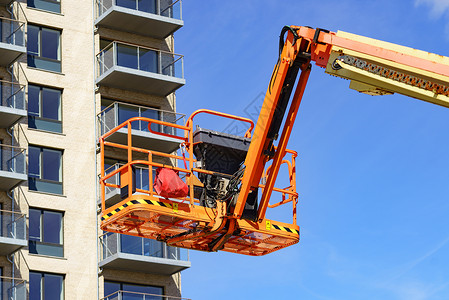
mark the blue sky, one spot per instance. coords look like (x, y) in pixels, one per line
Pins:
(373, 172)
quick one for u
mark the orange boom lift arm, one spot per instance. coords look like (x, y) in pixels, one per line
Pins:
(229, 183)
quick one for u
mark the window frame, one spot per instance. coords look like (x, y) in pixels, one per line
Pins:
(42, 233)
(39, 178)
(1, 155)
(108, 102)
(137, 8)
(41, 109)
(43, 9)
(121, 284)
(37, 57)
(1, 228)
(139, 171)
(42, 284)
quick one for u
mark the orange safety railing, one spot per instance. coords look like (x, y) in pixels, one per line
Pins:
(188, 209)
(289, 193)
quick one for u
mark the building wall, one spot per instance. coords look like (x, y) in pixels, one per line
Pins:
(81, 102)
(79, 264)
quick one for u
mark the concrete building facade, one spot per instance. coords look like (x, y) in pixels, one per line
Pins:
(70, 71)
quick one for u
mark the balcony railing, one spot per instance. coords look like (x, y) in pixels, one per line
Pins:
(12, 103)
(14, 288)
(12, 167)
(142, 178)
(12, 232)
(12, 159)
(124, 295)
(117, 113)
(165, 8)
(145, 70)
(12, 40)
(140, 58)
(13, 225)
(12, 32)
(12, 95)
(113, 243)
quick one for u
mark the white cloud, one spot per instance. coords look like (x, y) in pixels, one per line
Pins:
(438, 7)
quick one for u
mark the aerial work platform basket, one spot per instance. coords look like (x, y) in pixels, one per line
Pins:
(210, 165)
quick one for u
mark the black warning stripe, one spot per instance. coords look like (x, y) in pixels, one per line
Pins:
(133, 202)
(285, 229)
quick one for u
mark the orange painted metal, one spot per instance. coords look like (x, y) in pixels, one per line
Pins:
(185, 223)
(322, 46)
(282, 145)
(256, 159)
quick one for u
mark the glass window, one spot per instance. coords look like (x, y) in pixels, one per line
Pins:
(119, 290)
(45, 170)
(141, 5)
(45, 286)
(127, 56)
(126, 112)
(51, 164)
(142, 173)
(44, 108)
(33, 40)
(48, 5)
(2, 168)
(1, 225)
(147, 6)
(137, 58)
(141, 246)
(34, 162)
(131, 244)
(148, 60)
(142, 178)
(151, 114)
(115, 113)
(45, 235)
(35, 225)
(43, 48)
(127, 3)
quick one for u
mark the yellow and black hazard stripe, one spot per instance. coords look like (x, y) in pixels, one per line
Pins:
(133, 202)
(285, 229)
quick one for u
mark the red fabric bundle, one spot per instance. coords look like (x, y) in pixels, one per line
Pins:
(168, 184)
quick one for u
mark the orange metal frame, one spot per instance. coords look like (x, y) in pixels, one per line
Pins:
(184, 222)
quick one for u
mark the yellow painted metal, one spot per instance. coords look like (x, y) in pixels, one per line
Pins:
(368, 89)
(359, 75)
(439, 59)
(337, 51)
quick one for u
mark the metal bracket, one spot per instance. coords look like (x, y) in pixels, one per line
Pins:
(317, 35)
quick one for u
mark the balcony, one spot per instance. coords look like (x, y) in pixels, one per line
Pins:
(12, 40)
(12, 103)
(139, 296)
(12, 167)
(131, 253)
(145, 70)
(153, 18)
(13, 288)
(13, 232)
(117, 113)
(112, 195)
